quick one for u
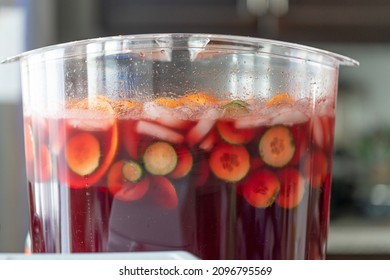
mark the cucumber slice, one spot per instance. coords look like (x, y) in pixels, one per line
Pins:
(132, 171)
(160, 158)
(277, 146)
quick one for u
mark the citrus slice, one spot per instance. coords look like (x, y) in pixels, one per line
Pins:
(279, 99)
(168, 102)
(196, 99)
(83, 153)
(81, 171)
(126, 107)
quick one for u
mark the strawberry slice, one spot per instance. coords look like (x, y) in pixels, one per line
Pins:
(164, 193)
(301, 139)
(318, 132)
(292, 188)
(130, 138)
(316, 168)
(158, 131)
(184, 162)
(232, 135)
(121, 188)
(323, 131)
(261, 188)
(328, 126)
(133, 191)
(201, 171)
(255, 163)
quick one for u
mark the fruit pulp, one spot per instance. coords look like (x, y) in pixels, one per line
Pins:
(234, 180)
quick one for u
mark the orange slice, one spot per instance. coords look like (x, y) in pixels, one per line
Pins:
(96, 103)
(124, 107)
(199, 99)
(168, 102)
(80, 177)
(281, 98)
(83, 153)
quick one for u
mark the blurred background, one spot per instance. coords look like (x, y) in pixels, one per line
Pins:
(360, 212)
